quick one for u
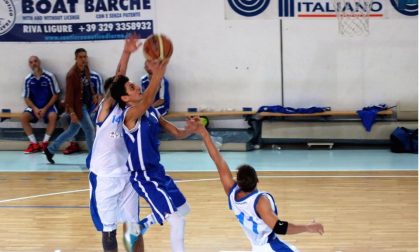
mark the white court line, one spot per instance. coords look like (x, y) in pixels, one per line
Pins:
(43, 195)
(214, 179)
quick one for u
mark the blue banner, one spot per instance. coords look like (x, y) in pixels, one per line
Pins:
(74, 20)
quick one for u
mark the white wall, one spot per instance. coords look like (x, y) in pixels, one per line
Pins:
(326, 69)
(220, 63)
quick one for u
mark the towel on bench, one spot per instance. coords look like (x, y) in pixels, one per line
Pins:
(368, 115)
(289, 110)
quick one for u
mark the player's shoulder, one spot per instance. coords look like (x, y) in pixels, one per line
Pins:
(29, 76)
(93, 72)
(144, 78)
(47, 73)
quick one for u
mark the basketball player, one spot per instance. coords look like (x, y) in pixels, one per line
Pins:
(141, 127)
(111, 193)
(255, 210)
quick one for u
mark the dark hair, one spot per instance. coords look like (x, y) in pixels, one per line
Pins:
(79, 50)
(108, 82)
(118, 89)
(246, 178)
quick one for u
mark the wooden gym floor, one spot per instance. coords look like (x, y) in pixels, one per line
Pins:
(361, 211)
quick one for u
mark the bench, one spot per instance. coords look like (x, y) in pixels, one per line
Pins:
(214, 114)
(169, 144)
(387, 112)
(327, 128)
(5, 116)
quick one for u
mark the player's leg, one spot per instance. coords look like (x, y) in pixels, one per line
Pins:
(177, 223)
(177, 219)
(104, 193)
(51, 120)
(158, 199)
(26, 119)
(129, 212)
(109, 241)
(154, 191)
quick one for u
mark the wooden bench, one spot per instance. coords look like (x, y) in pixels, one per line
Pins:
(387, 112)
(214, 114)
(299, 120)
(5, 116)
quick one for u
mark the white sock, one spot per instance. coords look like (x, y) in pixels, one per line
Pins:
(32, 138)
(151, 219)
(46, 138)
(177, 223)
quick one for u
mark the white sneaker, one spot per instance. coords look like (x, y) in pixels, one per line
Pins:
(129, 241)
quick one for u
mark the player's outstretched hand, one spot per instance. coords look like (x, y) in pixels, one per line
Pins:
(132, 43)
(315, 227)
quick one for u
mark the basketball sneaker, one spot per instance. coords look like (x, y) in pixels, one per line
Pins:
(32, 148)
(72, 148)
(44, 145)
(129, 241)
(49, 156)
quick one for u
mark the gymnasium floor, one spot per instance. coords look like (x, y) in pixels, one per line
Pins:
(367, 200)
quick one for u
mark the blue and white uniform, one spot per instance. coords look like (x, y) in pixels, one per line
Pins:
(98, 87)
(97, 83)
(260, 235)
(40, 91)
(147, 174)
(162, 94)
(112, 198)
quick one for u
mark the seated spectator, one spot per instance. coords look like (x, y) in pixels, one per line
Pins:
(40, 94)
(162, 99)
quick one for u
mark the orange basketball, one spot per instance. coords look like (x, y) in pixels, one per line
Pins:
(157, 46)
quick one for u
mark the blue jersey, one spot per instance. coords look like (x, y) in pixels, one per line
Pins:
(40, 91)
(162, 94)
(142, 143)
(148, 176)
(96, 80)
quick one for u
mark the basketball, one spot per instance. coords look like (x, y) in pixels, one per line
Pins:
(157, 46)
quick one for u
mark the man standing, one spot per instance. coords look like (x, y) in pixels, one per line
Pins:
(40, 94)
(80, 95)
(96, 80)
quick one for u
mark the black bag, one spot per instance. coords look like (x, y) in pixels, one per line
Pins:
(404, 140)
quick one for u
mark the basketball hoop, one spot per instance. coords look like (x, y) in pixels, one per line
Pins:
(353, 17)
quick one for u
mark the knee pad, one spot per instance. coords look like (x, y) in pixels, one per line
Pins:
(109, 240)
(184, 210)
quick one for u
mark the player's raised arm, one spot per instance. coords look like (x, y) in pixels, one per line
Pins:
(267, 214)
(132, 43)
(222, 167)
(180, 133)
(158, 67)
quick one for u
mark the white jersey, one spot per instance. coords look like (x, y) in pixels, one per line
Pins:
(109, 153)
(254, 227)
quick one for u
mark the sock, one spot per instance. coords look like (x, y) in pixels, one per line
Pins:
(32, 138)
(177, 223)
(46, 138)
(151, 219)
